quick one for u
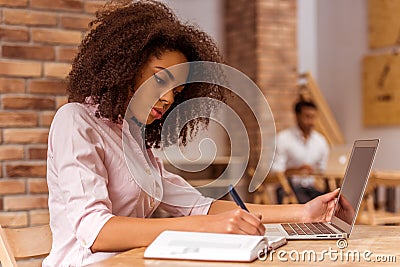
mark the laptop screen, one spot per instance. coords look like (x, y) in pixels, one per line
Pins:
(353, 186)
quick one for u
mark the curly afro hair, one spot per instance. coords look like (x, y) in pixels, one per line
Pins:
(124, 35)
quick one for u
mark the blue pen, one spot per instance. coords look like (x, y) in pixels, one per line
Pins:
(236, 198)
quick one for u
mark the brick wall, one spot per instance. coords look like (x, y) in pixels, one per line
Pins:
(261, 42)
(38, 40)
(276, 55)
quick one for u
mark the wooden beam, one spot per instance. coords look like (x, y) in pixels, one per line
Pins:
(326, 124)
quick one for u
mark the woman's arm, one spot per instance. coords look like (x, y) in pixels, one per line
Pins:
(318, 209)
(268, 213)
(123, 233)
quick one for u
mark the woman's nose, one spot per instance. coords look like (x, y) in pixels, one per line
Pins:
(168, 97)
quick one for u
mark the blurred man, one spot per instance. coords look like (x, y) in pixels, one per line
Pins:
(301, 151)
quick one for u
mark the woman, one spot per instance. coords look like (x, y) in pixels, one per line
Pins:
(96, 206)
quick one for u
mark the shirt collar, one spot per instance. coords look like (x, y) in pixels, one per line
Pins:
(299, 133)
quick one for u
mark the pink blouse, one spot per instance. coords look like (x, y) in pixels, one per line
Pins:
(89, 182)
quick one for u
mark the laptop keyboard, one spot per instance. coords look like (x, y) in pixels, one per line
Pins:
(306, 229)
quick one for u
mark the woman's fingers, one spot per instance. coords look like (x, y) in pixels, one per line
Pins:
(321, 208)
(255, 222)
(330, 196)
(242, 222)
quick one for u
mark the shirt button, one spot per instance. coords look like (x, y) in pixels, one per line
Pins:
(148, 171)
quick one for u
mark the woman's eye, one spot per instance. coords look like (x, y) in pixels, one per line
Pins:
(158, 79)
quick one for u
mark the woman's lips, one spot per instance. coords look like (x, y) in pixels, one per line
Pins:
(157, 114)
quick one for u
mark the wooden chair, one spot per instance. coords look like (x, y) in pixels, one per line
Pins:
(262, 196)
(379, 216)
(23, 243)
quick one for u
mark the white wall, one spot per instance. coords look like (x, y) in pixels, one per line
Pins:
(341, 45)
(307, 36)
(207, 14)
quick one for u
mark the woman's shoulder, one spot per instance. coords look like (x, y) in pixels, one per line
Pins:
(75, 109)
(74, 112)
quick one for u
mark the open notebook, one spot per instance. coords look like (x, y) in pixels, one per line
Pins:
(211, 246)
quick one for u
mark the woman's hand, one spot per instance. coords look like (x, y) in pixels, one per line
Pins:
(235, 221)
(320, 209)
(345, 210)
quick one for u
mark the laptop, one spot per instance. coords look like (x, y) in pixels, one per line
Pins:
(348, 204)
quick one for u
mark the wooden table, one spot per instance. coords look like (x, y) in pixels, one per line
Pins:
(381, 241)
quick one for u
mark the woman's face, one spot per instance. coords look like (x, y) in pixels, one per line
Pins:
(155, 96)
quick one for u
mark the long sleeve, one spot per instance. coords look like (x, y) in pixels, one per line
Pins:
(80, 177)
(280, 158)
(180, 198)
